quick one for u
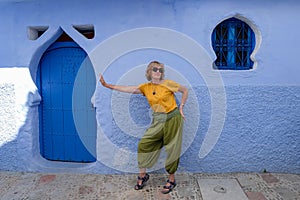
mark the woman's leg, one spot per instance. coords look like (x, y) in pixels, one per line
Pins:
(142, 179)
(172, 142)
(172, 177)
(142, 172)
(148, 151)
(142, 175)
(150, 146)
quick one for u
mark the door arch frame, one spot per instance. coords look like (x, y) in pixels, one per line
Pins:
(38, 162)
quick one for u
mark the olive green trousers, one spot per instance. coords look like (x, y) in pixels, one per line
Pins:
(164, 131)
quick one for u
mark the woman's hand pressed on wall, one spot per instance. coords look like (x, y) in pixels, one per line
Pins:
(181, 110)
(102, 81)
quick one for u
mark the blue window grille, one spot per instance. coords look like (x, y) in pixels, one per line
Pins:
(233, 42)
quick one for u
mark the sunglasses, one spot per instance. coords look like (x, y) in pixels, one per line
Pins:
(155, 69)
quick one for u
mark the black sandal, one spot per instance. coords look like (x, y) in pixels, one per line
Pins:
(169, 188)
(144, 180)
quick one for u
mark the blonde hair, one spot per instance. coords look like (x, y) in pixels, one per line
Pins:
(149, 70)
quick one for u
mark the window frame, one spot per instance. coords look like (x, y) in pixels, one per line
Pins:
(233, 42)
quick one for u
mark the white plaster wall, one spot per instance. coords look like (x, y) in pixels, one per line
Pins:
(18, 93)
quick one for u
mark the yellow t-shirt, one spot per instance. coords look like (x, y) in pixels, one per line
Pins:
(160, 96)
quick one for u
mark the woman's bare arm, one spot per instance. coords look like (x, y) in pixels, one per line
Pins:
(120, 88)
(185, 93)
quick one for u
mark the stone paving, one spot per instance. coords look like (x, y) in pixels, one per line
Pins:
(56, 186)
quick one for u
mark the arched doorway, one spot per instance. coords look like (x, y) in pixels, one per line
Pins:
(59, 137)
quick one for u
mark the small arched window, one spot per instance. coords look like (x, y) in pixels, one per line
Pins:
(233, 42)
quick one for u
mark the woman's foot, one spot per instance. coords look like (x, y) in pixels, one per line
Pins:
(141, 182)
(168, 187)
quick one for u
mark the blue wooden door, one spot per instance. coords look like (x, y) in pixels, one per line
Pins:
(60, 139)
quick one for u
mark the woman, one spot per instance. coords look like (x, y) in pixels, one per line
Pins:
(167, 123)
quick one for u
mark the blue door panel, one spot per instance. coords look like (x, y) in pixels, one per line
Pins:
(67, 90)
(47, 146)
(58, 147)
(46, 95)
(57, 118)
(46, 116)
(71, 146)
(68, 123)
(81, 92)
(59, 136)
(56, 93)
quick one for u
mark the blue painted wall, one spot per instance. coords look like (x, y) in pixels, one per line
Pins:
(261, 119)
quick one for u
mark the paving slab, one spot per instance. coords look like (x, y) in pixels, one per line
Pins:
(221, 189)
(255, 196)
(270, 178)
(190, 186)
(286, 193)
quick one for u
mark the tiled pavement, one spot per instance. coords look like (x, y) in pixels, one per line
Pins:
(35, 186)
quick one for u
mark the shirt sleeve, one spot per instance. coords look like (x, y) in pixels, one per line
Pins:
(172, 85)
(142, 88)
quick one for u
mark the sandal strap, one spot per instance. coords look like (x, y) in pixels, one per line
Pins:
(144, 179)
(172, 183)
(171, 186)
(168, 187)
(138, 187)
